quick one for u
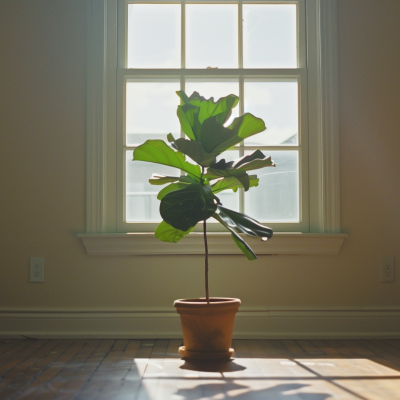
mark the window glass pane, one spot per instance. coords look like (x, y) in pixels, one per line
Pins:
(154, 36)
(276, 199)
(269, 36)
(211, 35)
(277, 104)
(216, 89)
(141, 197)
(151, 111)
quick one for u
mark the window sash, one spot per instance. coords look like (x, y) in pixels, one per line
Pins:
(300, 74)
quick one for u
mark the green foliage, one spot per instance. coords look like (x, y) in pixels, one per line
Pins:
(170, 188)
(157, 151)
(242, 223)
(167, 233)
(184, 208)
(191, 198)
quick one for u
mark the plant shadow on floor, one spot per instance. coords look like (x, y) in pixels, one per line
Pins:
(214, 366)
(242, 392)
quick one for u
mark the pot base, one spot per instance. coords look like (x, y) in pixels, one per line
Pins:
(197, 355)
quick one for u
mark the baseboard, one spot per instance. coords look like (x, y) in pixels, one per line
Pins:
(161, 324)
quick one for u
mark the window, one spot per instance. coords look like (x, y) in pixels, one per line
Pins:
(204, 47)
(149, 50)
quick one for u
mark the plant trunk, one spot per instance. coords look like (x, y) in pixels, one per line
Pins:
(206, 261)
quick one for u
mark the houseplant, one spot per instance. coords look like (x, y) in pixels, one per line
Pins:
(191, 198)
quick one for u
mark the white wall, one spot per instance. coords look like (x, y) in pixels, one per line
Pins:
(42, 202)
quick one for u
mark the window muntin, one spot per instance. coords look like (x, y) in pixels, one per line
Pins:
(281, 103)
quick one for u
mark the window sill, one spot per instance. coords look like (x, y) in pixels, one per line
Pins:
(114, 244)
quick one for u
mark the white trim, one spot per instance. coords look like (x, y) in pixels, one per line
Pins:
(267, 324)
(96, 112)
(218, 243)
(323, 117)
(329, 116)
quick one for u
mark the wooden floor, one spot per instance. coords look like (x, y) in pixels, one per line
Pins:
(152, 370)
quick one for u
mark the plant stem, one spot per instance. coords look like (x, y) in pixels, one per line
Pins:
(205, 244)
(206, 266)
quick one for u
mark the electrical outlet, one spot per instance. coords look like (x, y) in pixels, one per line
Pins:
(387, 269)
(36, 270)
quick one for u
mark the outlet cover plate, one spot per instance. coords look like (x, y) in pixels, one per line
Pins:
(387, 269)
(36, 269)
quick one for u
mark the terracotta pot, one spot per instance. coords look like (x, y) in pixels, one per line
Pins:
(207, 328)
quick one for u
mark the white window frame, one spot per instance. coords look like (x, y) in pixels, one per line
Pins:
(102, 236)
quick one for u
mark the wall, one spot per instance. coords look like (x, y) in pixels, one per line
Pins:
(42, 152)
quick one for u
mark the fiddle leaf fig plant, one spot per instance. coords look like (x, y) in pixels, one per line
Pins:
(191, 198)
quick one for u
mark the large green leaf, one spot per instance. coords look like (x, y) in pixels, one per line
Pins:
(243, 246)
(191, 148)
(185, 207)
(170, 188)
(232, 182)
(245, 163)
(243, 223)
(215, 138)
(162, 179)
(157, 151)
(241, 128)
(167, 233)
(213, 134)
(194, 150)
(208, 108)
(244, 180)
(189, 118)
(239, 167)
(225, 184)
(253, 161)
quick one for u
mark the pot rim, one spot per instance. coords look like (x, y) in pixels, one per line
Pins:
(202, 303)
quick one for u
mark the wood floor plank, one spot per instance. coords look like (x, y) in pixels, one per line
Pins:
(341, 350)
(35, 373)
(85, 382)
(256, 349)
(381, 355)
(394, 342)
(387, 346)
(15, 351)
(65, 375)
(56, 361)
(145, 349)
(329, 350)
(43, 382)
(173, 348)
(120, 345)
(113, 387)
(32, 359)
(16, 357)
(6, 345)
(241, 348)
(357, 348)
(160, 348)
(132, 381)
(310, 348)
(295, 350)
(275, 348)
(20, 376)
(110, 374)
(74, 376)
